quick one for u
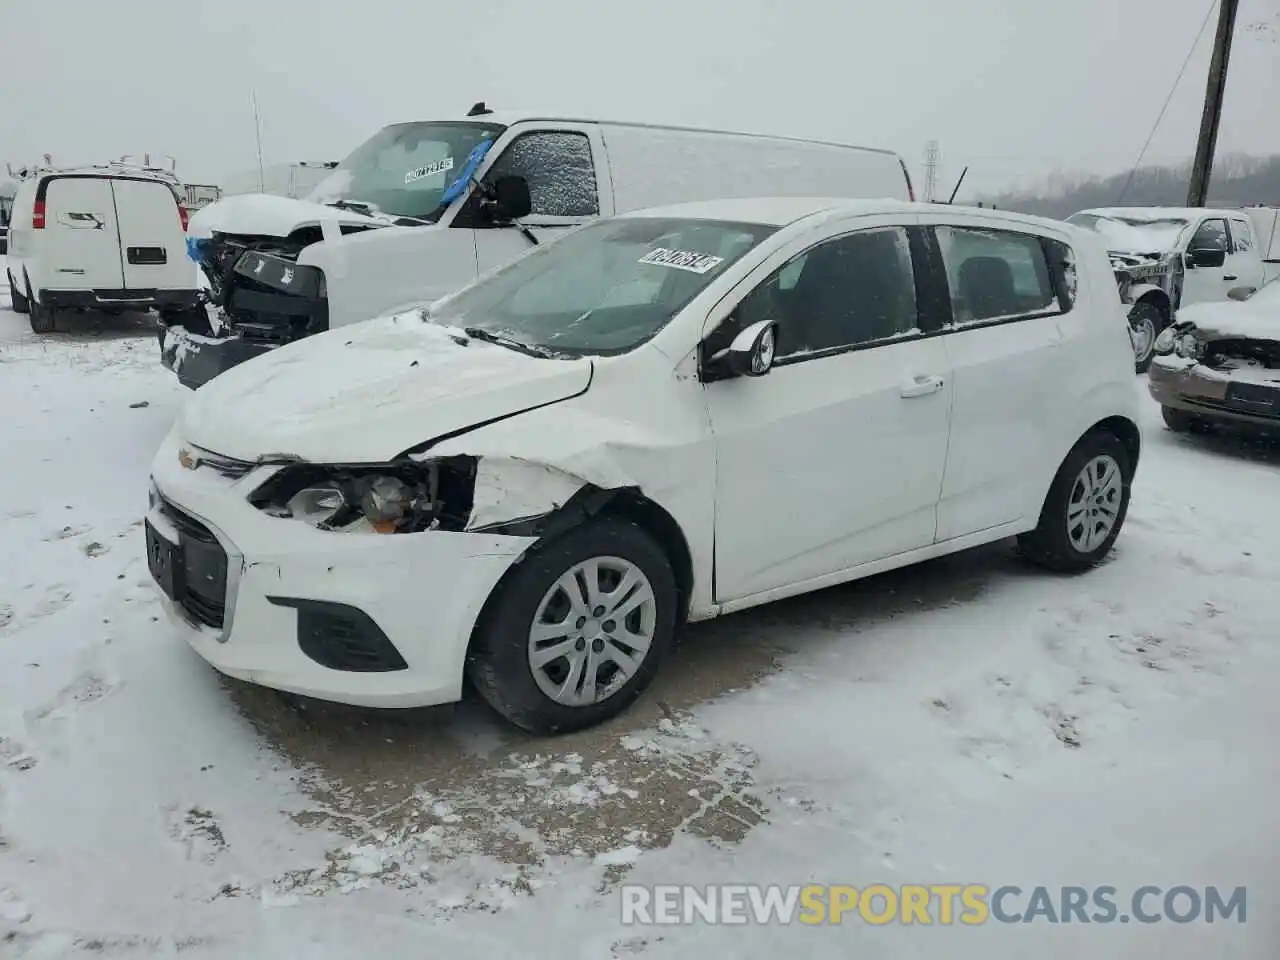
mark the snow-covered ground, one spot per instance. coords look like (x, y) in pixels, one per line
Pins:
(966, 721)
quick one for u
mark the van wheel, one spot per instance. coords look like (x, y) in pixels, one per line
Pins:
(577, 630)
(41, 316)
(1085, 508)
(20, 303)
(192, 319)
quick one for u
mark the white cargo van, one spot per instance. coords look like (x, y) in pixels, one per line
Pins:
(109, 239)
(422, 208)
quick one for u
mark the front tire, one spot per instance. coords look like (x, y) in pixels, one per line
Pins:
(577, 630)
(1085, 508)
(20, 303)
(1145, 323)
(1179, 421)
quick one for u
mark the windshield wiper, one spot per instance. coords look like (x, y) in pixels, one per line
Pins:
(529, 349)
(369, 210)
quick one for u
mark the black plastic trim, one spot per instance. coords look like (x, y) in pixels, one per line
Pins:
(342, 637)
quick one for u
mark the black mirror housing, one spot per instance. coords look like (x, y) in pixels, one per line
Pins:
(510, 199)
(1206, 257)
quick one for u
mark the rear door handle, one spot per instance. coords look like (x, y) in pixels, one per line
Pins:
(1230, 278)
(921, 386)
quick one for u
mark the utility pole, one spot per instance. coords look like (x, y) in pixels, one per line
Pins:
(930, 171)
(1216, 86)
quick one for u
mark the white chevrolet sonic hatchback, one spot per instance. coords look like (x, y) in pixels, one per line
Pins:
(659, 418)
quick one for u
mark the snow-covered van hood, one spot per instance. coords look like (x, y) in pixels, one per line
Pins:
(368, 392)
(258, 214)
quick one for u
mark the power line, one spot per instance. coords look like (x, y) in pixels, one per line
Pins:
(1169, 99)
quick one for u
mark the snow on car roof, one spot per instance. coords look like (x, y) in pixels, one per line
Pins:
(780, 211)
(1150, 214)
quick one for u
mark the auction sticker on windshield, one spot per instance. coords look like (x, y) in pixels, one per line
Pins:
(689, 260)
(430, 170)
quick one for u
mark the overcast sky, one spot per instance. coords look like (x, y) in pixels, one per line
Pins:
(1017, 89)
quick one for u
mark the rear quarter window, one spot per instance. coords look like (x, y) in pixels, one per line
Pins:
(996, 275)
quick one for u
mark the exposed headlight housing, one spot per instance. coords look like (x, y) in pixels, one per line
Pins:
(1189, 347)
(401, 497)
(1167, 341)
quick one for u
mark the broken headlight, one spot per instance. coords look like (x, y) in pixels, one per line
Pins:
(400, 497)
(1189, 347)
(1167, 341)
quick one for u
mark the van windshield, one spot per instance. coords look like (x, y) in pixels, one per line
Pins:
(1133, 234)
(408, 169)
(604, 288)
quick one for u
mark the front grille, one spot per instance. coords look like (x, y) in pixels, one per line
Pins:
(201, 590)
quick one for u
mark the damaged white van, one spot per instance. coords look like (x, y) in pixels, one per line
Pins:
(422, 208)
(659, 418)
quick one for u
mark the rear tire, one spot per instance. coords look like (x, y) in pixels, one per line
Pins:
(582, 662)
(192, 319)
(20, 303)
(1085, 507)
(1145, 323)
(42, 317)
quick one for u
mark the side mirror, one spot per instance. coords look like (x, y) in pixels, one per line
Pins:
(1240, 293)
(751, 352)
(1206, 257)
(509, 198)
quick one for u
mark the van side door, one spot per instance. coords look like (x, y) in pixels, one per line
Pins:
(567, 171)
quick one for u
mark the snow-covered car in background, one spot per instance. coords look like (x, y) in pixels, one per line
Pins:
(422, 208)
(661, 417)
(1166, 258)
(1219, 364)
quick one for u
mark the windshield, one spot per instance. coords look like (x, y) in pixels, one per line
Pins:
(605, 288)
(408, 169)
(1133, 234)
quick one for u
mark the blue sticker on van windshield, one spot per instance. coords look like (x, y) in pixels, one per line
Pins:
(469, 167)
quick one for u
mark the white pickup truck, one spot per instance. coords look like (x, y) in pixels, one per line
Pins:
(1169, 257)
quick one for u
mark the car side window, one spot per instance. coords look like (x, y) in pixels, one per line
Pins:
(1210, 235)
(1000, 274)
(559, 170)
(1241, 236)
(852, 290)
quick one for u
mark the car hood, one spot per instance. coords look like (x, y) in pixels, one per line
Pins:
(259, 214)
(370, 391)
(1234, 319)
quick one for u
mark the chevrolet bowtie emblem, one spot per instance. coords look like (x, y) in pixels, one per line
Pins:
(188, 459)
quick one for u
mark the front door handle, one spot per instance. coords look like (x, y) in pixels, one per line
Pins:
(921, 386)
(1230, 278)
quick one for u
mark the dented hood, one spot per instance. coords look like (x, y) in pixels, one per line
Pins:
(1257, 318)
(260, 214)
(368, 392)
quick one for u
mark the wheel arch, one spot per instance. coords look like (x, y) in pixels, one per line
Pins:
(1157, 298)
(1124, 430)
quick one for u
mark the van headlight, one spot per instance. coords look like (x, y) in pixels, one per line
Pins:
(401, 497)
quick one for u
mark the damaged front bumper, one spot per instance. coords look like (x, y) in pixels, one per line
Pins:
(1191, 387)
(197, 359)
(353, 617)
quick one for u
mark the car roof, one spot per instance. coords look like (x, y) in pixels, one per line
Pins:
(1160, 213)
(781, 211)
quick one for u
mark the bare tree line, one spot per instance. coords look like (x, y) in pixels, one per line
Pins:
(1238, 181)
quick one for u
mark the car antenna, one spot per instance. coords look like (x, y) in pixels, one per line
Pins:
(952, 198)
(478, 110)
